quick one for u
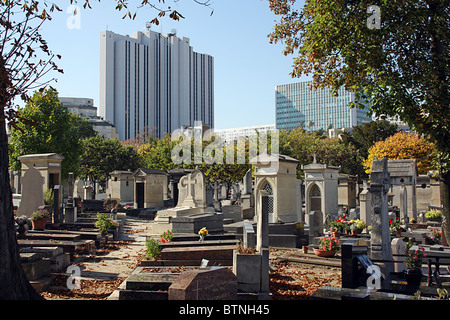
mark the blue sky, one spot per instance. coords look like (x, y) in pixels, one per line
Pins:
(247, 66)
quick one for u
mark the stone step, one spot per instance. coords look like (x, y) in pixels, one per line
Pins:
(72, 247)
(198, 253)
(143, 295)
(187, 262)
(287, 240)
(53, 236)
(196, 243)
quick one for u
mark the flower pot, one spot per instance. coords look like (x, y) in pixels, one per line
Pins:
(38, 224)
(336, 234)
(324, 253)
(413, 276)
(305, 249)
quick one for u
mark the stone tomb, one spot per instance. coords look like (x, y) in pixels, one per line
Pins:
(121, 186)
(191, 213)
(150, 188)
(211, 283)
(321, 188)
(48, 164)
(276, 174)
(32, 192)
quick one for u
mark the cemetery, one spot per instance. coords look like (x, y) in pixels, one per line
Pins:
(154, 235)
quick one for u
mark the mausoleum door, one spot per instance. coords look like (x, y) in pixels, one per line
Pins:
(315, 199)
(270, 203)
(140, 194)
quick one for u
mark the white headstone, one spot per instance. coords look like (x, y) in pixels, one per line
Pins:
(32, 192)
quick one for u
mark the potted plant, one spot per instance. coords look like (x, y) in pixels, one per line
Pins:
(433, 215)
(166, 236)
(394, 226)
(203, 233)
(360, 225)
(327, 247)
(338, 226)
(153, 249)
(39, 219)
(413, 272)
(103, 223)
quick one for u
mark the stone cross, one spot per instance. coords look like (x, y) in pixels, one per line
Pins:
(380, 237)
(188, 182)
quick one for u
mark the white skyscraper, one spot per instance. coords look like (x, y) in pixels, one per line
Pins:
(154, 82)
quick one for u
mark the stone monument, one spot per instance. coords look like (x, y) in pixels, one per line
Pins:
(32, 192)
(191, 213)
(380, 241)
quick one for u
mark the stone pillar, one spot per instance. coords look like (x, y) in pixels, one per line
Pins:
(262, 232)
(380, 242)
(364, 205)
(404, 205)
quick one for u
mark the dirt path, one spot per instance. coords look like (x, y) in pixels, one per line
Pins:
(101, 273)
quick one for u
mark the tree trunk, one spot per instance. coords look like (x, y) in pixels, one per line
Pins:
(445, 201)
(14, 284)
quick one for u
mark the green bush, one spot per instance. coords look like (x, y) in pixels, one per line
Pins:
(433, 214)
(103, 223)
(153, 249)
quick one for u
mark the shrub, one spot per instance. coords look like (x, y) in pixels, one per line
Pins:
(153, 249)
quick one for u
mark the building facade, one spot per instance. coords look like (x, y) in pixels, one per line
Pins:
(298, 105)
(154, 83)
(85, 108)
(232, 134)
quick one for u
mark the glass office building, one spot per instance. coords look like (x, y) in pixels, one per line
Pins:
(298, 105)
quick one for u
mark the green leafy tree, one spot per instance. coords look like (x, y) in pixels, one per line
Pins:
(365, 135)
(394, 56)
(101, 156)
(53, 129)
(303, 145)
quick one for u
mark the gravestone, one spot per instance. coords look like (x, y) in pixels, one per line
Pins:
(209, 195)
(380, 241)
(191, 212)
(32, 192)
(252, 270)
(212, 283)
(78, 191)
(404, 205)
(315, 222)
(217, 203)
(248, 182)
(398, 248)
(364, 204)
(192, 190)
(249, 235)
(57, 204)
